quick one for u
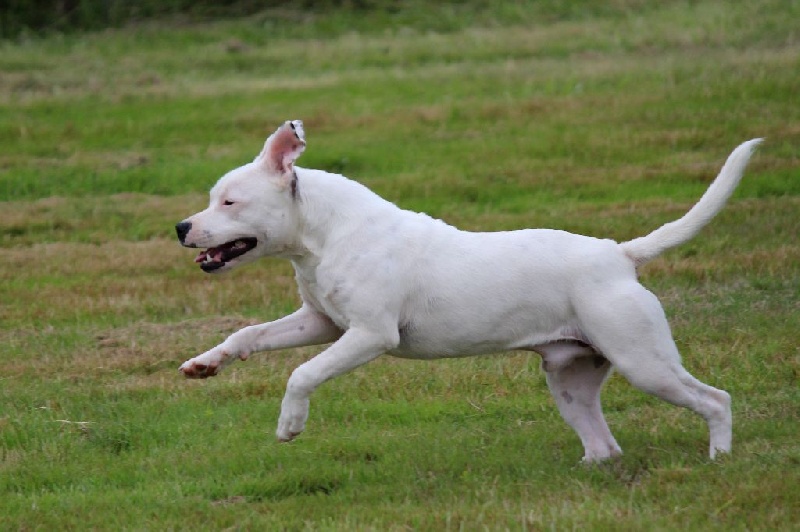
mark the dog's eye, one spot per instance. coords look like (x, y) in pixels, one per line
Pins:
(227, 202)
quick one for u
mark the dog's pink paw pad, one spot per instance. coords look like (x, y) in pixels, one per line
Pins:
(196, 370)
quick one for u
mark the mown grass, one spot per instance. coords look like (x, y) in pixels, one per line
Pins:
(607, 121)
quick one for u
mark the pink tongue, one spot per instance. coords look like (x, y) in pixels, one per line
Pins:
(216, 255)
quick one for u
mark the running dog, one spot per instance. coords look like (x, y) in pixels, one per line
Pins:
(377, 279)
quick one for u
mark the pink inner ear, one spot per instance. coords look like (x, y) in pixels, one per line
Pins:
(284, 147)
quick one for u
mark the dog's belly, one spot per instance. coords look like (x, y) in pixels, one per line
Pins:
(442, 338)
(557, 348)
(431, 350)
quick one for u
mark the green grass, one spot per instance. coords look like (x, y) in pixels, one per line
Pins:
(606, 119)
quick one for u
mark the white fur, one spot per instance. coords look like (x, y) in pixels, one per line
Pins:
(376, 279)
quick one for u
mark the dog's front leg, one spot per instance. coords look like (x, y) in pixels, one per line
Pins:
(356, 347)
(304, 327)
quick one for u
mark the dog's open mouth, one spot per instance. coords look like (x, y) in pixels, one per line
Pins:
(215, 258)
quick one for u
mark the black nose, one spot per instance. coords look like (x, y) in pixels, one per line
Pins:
(183, 229)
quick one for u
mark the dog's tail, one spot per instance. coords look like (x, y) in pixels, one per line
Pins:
(648, 247)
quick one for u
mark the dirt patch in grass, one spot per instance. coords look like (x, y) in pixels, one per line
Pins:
(114, 217)
(145, 346)
(141, 348)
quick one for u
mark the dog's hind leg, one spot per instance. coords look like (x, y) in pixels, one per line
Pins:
(576, 389)
(627, 324)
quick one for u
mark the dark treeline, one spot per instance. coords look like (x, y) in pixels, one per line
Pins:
(43, 16)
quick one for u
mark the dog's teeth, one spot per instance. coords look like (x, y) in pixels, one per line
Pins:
(239, 244)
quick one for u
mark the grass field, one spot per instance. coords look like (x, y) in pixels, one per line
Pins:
(606, 119)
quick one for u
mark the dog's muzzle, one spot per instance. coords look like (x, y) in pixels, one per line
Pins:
(214, 258)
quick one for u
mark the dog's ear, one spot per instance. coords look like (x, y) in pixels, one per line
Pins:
(282, 148)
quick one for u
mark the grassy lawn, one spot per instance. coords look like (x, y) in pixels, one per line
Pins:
(606, 119)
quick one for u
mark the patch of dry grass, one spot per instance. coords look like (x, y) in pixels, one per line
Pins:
(116, 217)
(93, 66)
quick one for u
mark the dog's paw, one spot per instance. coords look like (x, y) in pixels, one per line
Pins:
(194, 369)
(206, 365)
(294, 413)
(211, 362)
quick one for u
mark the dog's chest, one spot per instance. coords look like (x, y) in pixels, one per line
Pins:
(326, 296)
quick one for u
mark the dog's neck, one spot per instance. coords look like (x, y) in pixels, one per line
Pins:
(331, 208)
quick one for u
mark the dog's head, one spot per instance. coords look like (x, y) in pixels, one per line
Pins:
(252, 211)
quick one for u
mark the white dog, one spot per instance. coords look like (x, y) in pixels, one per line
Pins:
(376, 279)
